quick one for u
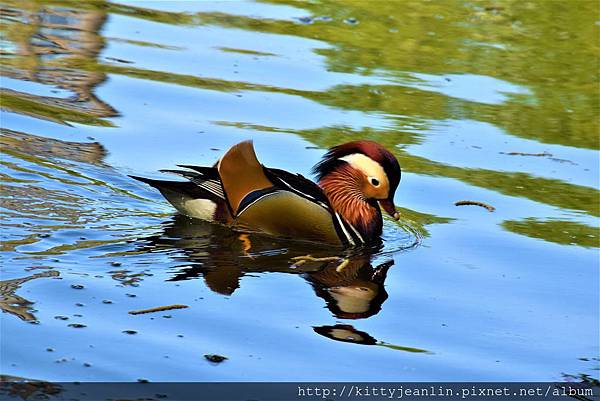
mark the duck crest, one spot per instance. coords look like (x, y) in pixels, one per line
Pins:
(342, 187)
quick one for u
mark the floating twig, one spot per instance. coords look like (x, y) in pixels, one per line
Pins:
(119, 60)
(544, 154)
(475, 203)
(157, 309)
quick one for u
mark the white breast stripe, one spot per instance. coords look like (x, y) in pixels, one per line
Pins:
(348, 236)
(357, 233)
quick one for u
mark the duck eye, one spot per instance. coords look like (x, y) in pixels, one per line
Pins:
(375, 182)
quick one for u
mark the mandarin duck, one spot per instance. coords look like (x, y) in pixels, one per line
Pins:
(342, 208)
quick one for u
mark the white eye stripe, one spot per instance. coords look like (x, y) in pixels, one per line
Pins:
(370, 167)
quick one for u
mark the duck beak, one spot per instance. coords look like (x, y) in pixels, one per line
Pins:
(390, 208)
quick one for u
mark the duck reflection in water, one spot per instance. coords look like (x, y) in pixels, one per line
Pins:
(351, 287)
(355, 292)
(13, 304)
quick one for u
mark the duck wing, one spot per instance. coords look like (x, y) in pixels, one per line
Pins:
(198, 198)
(207, 178)
(274, 201)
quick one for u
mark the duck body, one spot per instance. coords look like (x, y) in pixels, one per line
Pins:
(239, 191)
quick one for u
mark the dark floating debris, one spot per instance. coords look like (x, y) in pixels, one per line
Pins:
(77, 325)
(158, 309)
(50, 349)
(87, 365)
(107, 301)
(129, 332)
(214, 358)
(131, 295)
(61, 317)
(115, 264)
(77, 286)
(79, 304)
(351, 21)
(475, 203)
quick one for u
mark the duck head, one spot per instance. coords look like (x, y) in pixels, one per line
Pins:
(358, 178)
